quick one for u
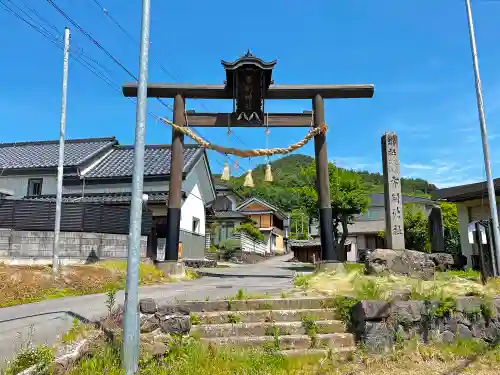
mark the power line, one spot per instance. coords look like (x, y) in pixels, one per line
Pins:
(130, 37)
(70, 20)
(80, 56)
(115, 60)
(115, 21)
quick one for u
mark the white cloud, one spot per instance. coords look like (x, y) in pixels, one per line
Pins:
(356, 163)
(417, 166)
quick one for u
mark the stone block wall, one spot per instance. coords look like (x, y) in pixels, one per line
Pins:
(379, 325)
(37, 245)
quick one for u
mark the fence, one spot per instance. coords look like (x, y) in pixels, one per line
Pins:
(75, 217)
(193, 246)
(249, 245)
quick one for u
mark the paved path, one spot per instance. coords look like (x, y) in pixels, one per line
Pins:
(45, 321)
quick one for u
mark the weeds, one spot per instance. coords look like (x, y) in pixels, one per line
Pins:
(111, 299)
(26, 284)
(233, 319)
(343, 306)
(76, 331)
(195, 319)
(41, 356)
(301, 280)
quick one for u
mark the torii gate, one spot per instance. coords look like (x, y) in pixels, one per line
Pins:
(249, 83)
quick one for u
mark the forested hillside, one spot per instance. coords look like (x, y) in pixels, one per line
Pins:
(287, 176)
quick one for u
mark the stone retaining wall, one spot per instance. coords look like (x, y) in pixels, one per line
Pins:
(18, 246)
(379, 325)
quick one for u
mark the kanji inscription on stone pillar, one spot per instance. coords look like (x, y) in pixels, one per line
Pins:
(394, 229)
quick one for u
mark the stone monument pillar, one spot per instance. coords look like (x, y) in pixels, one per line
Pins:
(436, 230)
(394, 228)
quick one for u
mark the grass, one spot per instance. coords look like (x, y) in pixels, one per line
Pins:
(78, 330)
(41, 356)
(26, 284)
(354, 283)
(193, 358)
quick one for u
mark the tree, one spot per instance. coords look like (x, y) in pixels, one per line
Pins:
(299, 224)
(416, 228)
(347, 195)
(451, 231)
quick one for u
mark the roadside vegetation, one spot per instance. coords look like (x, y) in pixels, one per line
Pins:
(190, 357)
(26, 284)
(354, 283)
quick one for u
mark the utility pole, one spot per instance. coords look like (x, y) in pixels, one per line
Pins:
(60, 165)
(130, 349)
(484, 136)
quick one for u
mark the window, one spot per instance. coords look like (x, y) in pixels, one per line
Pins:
(196, 225)
(35, 186)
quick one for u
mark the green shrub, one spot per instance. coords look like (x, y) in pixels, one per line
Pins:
(42, 356)
(251, 230)
(343, 306)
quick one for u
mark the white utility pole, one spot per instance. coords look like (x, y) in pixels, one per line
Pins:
(60, 165)
(486, 152)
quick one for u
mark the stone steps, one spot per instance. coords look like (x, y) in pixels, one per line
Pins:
(291, 326)
(288, 342)
(221, 317)
(345, 351)
(259, 304)
(266, 329)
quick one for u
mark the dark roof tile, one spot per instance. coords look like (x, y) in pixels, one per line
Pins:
(114, 198)
(45, 154)
(119, 163)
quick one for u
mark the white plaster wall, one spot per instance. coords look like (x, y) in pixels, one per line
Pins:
(463, 224)
(199, 192)
(352, 256)
(19, 184)
(116, 188)
(232, 198)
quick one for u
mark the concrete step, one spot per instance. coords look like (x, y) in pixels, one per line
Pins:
(328, 340)
(260, 304)
(265, 329)
(221, 317)
(322, 352)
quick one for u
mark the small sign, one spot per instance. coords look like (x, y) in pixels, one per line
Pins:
(472, 228)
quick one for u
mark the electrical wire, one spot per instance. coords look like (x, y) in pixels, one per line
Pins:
(165, 70)
(115, 21)
(80, 55)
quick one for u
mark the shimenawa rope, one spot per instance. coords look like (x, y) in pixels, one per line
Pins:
(247, 153)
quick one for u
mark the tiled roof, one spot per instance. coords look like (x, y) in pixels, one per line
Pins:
(119, 163)
(45, 154)
(304, 243)
(378, 200)
(115, 198)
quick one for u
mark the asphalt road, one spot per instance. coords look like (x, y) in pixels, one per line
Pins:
(44, 322)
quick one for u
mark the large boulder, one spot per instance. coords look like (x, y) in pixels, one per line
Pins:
(443, 261)
(404, 262)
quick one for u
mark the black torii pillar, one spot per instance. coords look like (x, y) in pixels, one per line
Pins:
(175, 185)
(328, 251)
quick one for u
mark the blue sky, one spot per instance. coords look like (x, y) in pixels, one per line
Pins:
(416, 53)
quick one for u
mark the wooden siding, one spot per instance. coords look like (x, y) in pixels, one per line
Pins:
(255, 207)
(263, 221)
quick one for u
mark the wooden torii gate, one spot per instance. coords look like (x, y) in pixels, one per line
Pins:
(249, 83)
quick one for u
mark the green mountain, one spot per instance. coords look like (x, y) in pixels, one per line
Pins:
(286, 175)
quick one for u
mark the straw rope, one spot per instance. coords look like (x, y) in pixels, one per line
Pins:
(247, 153)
